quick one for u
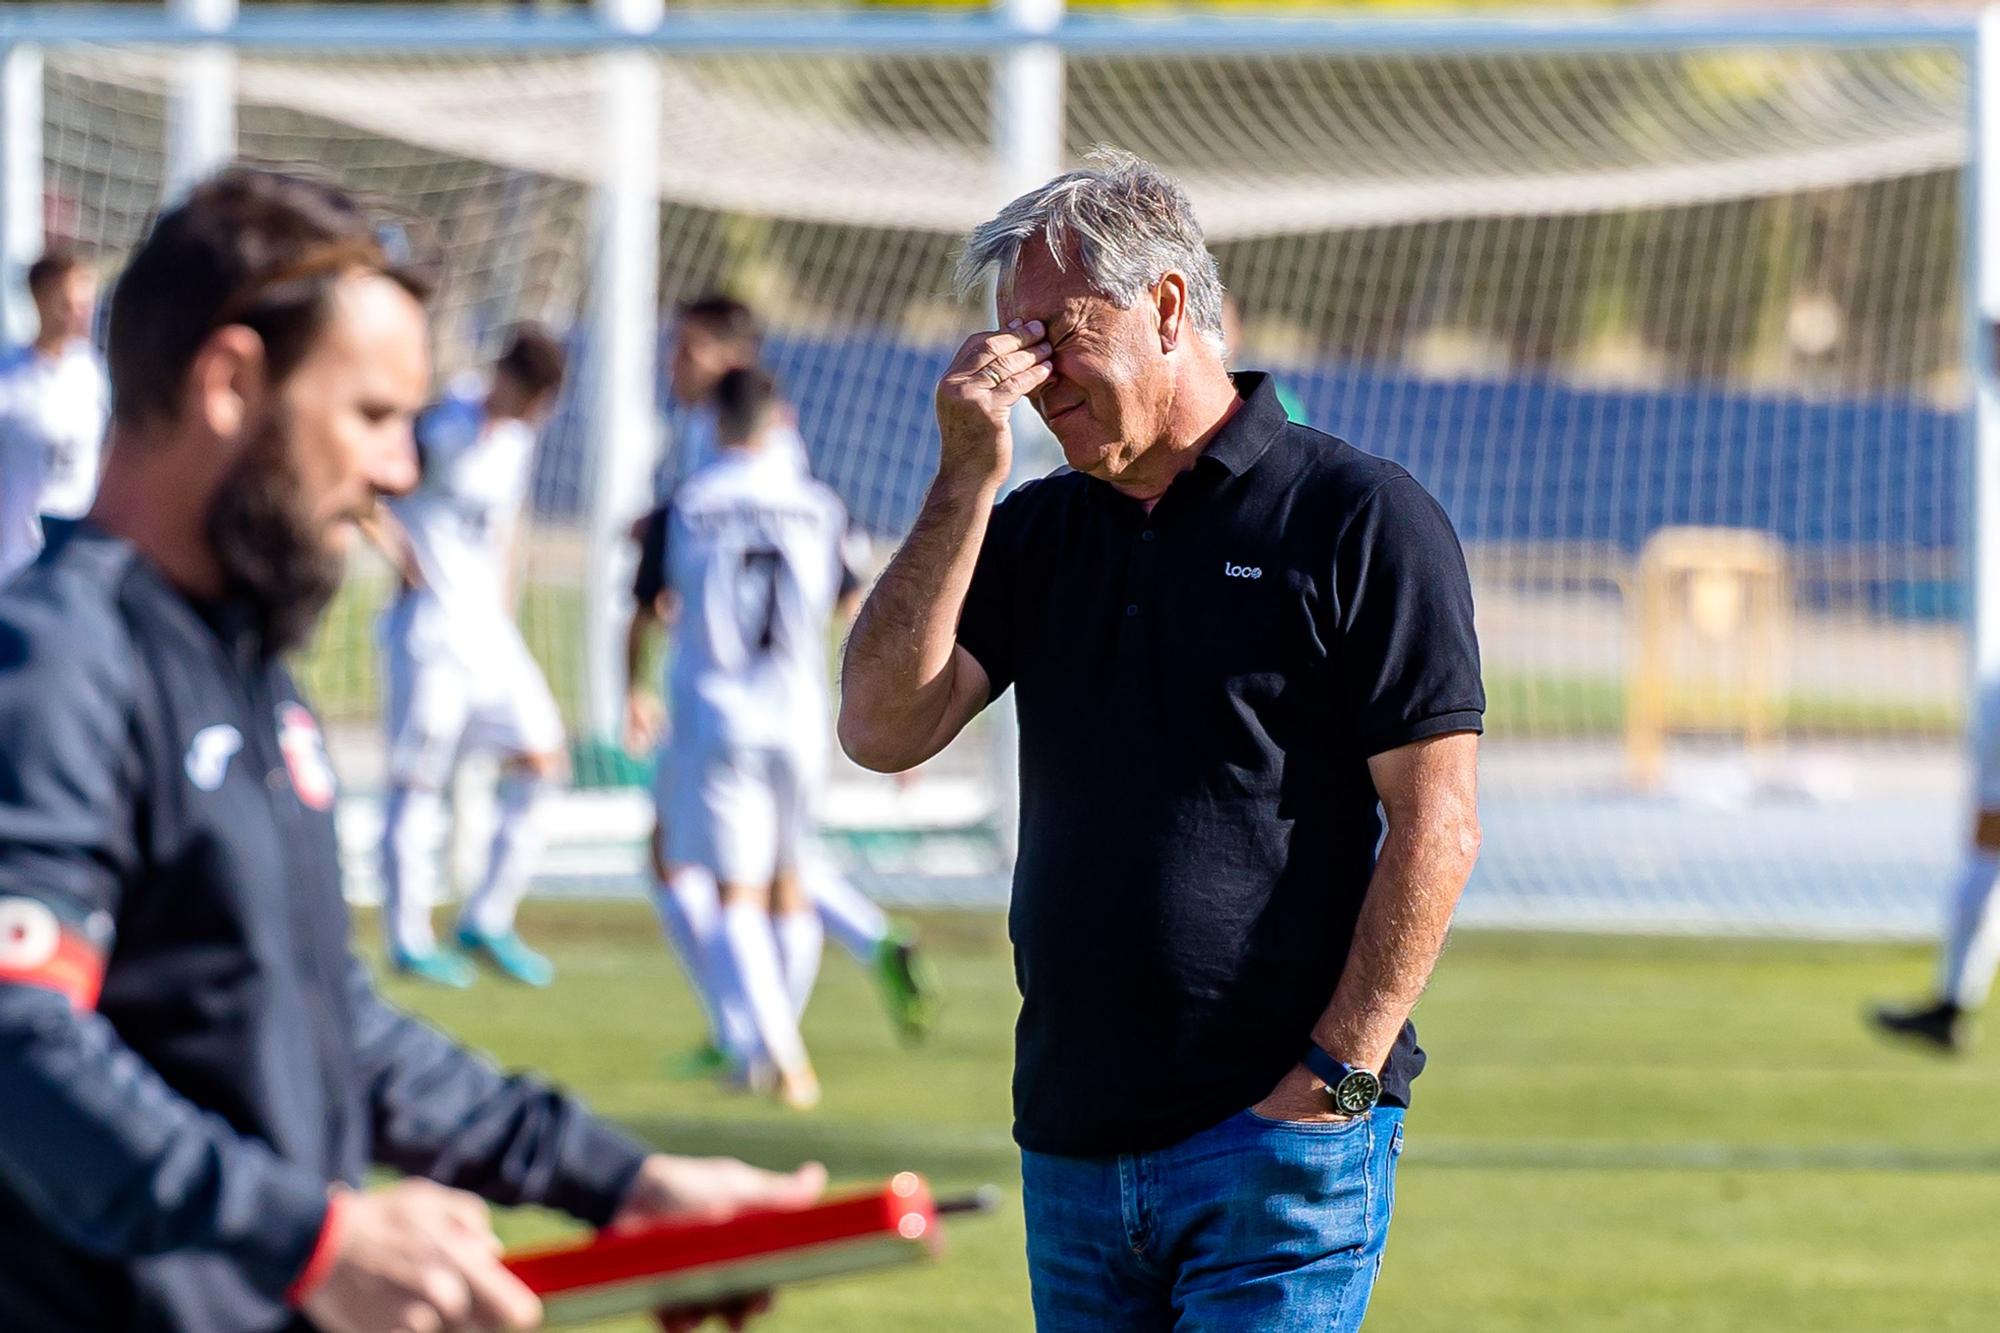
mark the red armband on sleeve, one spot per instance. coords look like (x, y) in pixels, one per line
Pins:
(320, 1262)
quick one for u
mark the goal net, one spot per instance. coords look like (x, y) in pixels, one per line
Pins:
(1676, 337)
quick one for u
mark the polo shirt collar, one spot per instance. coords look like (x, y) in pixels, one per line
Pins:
(1256, 426)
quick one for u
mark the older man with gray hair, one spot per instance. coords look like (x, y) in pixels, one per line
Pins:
(1236, 644)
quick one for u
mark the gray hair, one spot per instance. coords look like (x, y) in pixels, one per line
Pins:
(1132, 224)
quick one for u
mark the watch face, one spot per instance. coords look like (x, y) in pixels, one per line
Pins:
(1358, 1092)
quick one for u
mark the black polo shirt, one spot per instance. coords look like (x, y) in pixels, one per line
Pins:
(1200, 689)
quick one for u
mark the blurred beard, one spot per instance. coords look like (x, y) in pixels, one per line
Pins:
(274, 557)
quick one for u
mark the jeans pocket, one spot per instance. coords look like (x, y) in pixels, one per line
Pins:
(1320, 1127)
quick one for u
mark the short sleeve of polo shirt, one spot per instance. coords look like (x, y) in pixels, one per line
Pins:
(1408, 656)
(986, 623)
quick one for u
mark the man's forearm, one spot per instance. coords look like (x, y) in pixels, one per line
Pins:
(895, 679)
(448, 1115)
(105, 1154)
(636, 634)
(1397, 939)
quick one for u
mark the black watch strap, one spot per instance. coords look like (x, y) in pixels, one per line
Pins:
(1324, 1067)
(1354, 1089)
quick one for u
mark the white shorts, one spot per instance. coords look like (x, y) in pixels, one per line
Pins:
(742, 813)
(449, 693)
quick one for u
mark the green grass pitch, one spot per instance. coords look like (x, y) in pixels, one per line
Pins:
(1614, 1134)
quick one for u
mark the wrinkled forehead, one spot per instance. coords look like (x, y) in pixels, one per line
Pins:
(1036, 287)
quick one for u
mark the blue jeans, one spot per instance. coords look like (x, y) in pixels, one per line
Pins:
(1254, 1226)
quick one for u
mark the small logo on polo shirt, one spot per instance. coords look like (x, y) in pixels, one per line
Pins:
(209, 754)
(1234, 571)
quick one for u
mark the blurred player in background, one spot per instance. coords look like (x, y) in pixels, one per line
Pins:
(460, 678)
(54, 401)
(752, 558)
(713, 335)
(1971, 947)
(1970, 951)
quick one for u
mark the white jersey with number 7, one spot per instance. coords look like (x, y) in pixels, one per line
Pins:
(755, 551)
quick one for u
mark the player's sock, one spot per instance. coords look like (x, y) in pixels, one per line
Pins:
(691, 916)
(800, 940)
(411, 822)
(517, 841)
(751, 953)
(849, 915)
(736, 1022)
(1972, 934)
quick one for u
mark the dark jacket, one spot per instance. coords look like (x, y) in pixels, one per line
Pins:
(190, 1054)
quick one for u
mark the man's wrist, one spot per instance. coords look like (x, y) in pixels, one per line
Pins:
(966, 488)
(600, 1166)
(1353, 1048)
(1352, 1088)
(319, 1263)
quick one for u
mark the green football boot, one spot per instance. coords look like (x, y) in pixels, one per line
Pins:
(908, 988)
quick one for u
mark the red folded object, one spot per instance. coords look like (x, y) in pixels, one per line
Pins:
(699, 1263)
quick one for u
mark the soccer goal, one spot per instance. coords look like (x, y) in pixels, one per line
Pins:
(1674, 317)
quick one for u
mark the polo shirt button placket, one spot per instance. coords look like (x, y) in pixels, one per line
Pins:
(1143, 569)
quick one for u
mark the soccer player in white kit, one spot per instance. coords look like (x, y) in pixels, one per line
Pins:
(1971, 945)
(713, 335)
(753, 555)
(459, 676)
(54, 402)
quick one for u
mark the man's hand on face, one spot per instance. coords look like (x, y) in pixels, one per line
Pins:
(713, 1189)
(417, 1257)
(991, 373)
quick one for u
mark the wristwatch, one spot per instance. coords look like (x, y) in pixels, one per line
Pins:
(1354, 1090)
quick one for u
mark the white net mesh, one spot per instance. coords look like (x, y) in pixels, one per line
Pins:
(511, 244)
(1584, 298)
